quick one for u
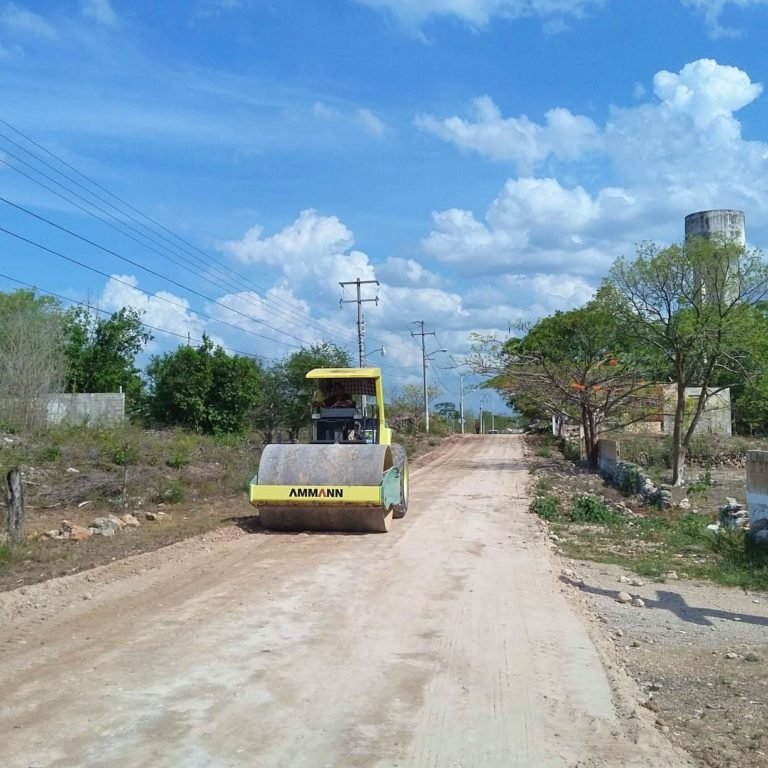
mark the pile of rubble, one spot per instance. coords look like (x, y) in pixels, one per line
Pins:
(101, 526)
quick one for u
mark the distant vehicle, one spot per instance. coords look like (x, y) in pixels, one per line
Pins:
(493, 431)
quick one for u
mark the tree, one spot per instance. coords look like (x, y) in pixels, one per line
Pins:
(32, 360)
(203, 388)
(572, 364)
(297, 394)
(101, 352)
(446, 410)
(693, 310)
(267, 411)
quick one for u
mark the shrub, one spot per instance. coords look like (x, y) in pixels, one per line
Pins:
(701, 483)
(546, 507)
(586, 508)
(630, 480)
(173, 494)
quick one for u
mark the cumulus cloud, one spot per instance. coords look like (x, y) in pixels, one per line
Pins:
(533, 223)
(478, 13)
(705, 91)
(100, 11)
(397, 271)
(162, 310)
(517, 139)
(16, 18)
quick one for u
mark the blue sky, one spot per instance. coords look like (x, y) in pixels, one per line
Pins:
(486, 160)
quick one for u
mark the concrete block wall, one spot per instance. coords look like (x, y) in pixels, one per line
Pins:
(608, 456)
(102, 409)
(757, 494)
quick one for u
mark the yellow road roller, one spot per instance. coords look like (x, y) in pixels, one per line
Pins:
(349, 477)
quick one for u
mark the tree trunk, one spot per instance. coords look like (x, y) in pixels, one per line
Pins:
(590, 437)
(678, 447)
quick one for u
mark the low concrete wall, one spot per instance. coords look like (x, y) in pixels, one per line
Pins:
(608, 453)
(101, 409)
(757, 494)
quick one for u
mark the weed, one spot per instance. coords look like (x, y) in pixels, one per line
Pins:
(544, 452)
(181, 452)
(586, 508)
(173, 494)
(546, 507)
(48, 454)
(701, 484)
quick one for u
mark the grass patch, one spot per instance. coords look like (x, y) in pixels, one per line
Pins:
(656, 545)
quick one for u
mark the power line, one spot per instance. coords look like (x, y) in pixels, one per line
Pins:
(91, 308)
(209, 261)
(139, 290)
(147, 269)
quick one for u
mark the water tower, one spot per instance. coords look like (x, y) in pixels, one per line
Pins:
(730, 227)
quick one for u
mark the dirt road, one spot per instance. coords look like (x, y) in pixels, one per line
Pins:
(447, 643)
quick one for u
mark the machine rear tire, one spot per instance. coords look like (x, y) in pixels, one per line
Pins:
(400, 460)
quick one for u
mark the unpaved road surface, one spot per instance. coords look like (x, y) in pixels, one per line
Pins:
(447, 643)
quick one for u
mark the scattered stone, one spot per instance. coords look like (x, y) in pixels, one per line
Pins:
(56, 535)
(131, 521)
(623, 597)
(155, 515)
(75, 532)
(638, 602)
(72, 471)
(651, 704)
(117, 521)
(684, 504)
(87, 596)
(635, 644)
(619, 633)
(624, 579)
(637, 583)
(731, 655)
(104, 526)
(671, 576)
(751, 657)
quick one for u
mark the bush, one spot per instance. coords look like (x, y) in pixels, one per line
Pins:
(181, 452)
(546, 507)
(173, 494)
(586, 508)
(630, 480)
(701, 483)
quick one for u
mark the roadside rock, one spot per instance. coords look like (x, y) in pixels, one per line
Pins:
(104, 526)
(623, 597)
(75, 532)
(638, 602)
(131, 521)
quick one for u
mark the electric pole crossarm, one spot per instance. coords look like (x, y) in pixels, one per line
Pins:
(359, 300)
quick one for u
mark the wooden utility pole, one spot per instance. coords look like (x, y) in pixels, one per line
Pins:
(15, 517)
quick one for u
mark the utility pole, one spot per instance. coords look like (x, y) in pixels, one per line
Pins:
(360, 319)
(461, 401)
(423, 334)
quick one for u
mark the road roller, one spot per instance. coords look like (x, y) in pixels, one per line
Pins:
(350, 477)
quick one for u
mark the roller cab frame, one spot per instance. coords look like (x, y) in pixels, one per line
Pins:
(350, 477)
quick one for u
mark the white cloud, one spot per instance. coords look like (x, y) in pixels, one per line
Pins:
(397, 271)
(372, 125)
(100, 11)
(705, 91)
(532, 224)
(518, 139)
(478, 13)
(18, 19)
(363, 118)
(162, 310)
(713, 10)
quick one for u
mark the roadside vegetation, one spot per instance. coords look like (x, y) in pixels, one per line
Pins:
(593, 521)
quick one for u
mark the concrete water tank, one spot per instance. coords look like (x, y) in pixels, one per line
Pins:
(726, 222)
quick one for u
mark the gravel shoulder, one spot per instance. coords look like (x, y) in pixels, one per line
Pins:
(450, 641)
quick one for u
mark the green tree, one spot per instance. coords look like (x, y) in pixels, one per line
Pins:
(693, 311)
(446, 410)
(298, 390)
(203, 388)
(101, 352)
(268, 409)
(573, 364)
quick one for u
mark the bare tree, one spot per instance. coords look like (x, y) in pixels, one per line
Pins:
(32, 360)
